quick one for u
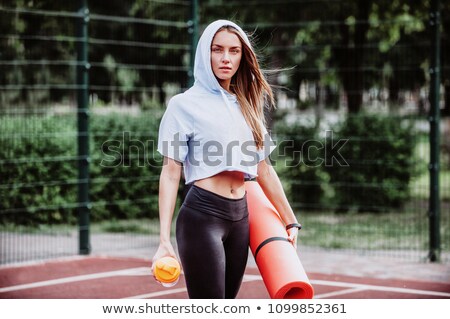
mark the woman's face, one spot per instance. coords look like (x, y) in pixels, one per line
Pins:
(226, 54)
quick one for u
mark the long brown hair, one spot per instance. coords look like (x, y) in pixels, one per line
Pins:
(252, 90)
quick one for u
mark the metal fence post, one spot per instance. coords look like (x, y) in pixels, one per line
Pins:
(193, 31)
(84, 205)
(434, 118)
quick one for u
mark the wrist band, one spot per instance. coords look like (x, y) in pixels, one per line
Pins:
(299, 226)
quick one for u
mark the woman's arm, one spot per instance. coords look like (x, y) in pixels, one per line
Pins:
(271, 185)
(169, 181)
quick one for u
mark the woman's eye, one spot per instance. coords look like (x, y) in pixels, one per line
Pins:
(217, 50)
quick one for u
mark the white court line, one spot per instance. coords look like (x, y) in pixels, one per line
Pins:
(158, 294)
(140, 271)
(146, 271)
(380, 288)
(246, 278)
(338, 293)
(360, 287)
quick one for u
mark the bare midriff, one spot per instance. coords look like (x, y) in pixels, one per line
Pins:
(228, 184)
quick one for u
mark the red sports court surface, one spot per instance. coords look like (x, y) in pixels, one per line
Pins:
(115, 277)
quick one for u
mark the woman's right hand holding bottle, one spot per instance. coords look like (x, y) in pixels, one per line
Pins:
(165, 265)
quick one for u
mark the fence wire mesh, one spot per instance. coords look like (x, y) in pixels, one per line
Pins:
(352, 86)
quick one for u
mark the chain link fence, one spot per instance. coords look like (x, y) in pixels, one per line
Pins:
(352, 124)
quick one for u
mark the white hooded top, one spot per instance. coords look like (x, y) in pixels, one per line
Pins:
(204, 127)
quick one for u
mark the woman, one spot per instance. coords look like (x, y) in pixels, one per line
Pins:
(216, 130)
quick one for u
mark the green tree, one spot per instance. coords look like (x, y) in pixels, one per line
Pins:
(445, 54)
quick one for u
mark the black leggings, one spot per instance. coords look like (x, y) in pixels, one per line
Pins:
(212, 236)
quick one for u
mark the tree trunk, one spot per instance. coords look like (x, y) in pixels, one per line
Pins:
(161, 94)
(351, 55)
(394, 89)
(446, 110)
(276, 61)
(320, 104)
(445, 61)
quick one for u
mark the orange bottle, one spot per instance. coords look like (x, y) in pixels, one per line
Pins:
(167, 271)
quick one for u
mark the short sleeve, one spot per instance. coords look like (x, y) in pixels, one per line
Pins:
(268, 146)
(175, 130)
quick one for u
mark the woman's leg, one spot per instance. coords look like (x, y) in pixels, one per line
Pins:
(200, 245)
(236, 253)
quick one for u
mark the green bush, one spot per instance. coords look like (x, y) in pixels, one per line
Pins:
(36, 170)
(305, 179)
(127, 183)
(39, 168)
(380, 157)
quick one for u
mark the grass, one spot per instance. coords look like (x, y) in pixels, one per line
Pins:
(389, 231)
(420, 186)
(134, 226)
(57, 230)
(322, 229)
(405, 229)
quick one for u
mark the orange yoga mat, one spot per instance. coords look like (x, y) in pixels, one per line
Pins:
(277, 260)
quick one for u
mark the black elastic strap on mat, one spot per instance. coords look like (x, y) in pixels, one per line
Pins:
(268, 240)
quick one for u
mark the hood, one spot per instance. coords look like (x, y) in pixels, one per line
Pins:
(203, 73)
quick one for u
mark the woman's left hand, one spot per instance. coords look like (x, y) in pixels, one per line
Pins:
(292, 236)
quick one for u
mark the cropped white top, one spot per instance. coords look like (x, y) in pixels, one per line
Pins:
(204, 127)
